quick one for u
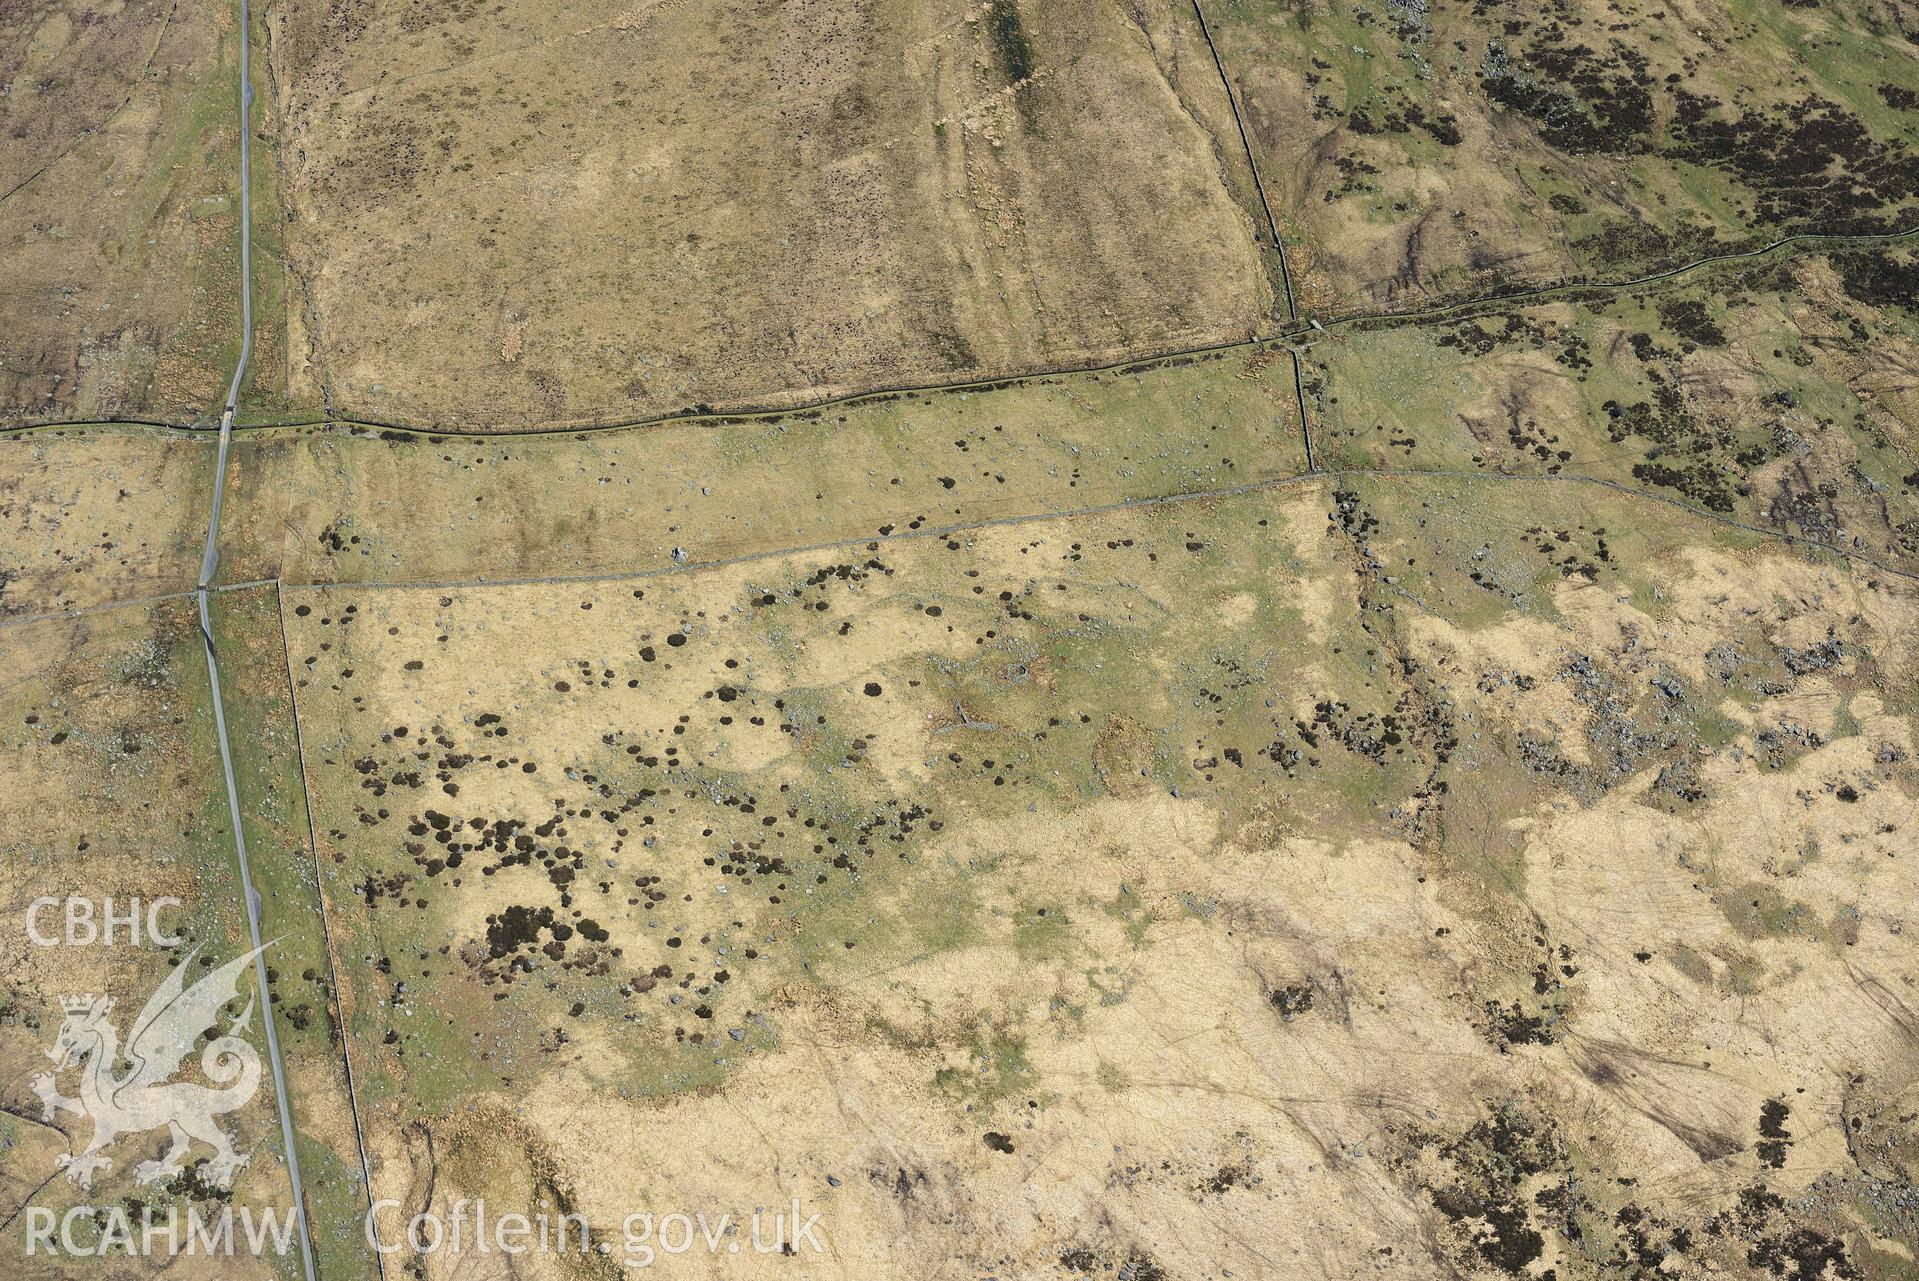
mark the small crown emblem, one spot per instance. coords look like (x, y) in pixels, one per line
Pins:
(143, 1096)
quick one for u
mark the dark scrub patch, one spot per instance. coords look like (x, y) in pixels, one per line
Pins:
(1509, 1025)
(1688, 318)
(1492, 1164)
(1293, 1000)
(1881, 279)
(1012, 51)
(1779, 1246)
(1774, 1138)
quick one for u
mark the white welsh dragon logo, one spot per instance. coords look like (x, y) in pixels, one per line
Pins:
(141, 1097)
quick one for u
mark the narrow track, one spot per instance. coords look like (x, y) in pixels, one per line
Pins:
(1272, 229)
(1810, 242)
(1252, 162)
(1128, 504)
(326, 925)
(947, 531)
(209, 562)
(1294, 336)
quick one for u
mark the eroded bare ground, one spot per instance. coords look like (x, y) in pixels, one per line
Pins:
(1238, 885)
(1481, 865)
(557, 215)
(1044, 829)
